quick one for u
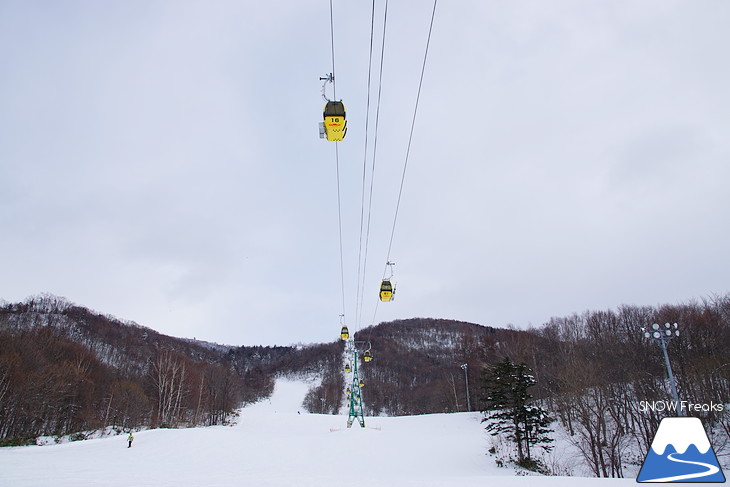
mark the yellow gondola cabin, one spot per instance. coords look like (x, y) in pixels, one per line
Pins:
(334, 127)
(386, 291)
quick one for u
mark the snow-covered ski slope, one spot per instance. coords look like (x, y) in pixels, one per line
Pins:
(274, 445)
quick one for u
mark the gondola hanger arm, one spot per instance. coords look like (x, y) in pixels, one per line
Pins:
(330, 78)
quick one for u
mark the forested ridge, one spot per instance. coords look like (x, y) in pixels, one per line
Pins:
(66, 369)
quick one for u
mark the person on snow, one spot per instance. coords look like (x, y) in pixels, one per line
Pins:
(130, 439)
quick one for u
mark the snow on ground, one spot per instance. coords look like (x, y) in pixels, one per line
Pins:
(276, 444)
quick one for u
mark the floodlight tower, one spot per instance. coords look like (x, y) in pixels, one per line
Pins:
(466, 381)
(663, 337)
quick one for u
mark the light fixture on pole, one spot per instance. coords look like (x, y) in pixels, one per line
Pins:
(466, 380)
(663, 335)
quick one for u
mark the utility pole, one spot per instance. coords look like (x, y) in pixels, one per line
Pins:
(466, 380)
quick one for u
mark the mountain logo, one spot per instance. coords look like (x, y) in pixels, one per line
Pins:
(681, 452)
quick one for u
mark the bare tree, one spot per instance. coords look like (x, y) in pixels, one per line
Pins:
(168, 378)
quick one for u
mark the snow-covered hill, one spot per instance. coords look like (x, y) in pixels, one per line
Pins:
(276, 443)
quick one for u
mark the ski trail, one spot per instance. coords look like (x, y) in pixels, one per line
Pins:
(711, 470)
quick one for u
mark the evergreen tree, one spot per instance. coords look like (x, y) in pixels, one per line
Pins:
(508, 410)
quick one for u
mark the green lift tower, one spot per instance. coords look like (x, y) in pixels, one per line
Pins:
(354, 391)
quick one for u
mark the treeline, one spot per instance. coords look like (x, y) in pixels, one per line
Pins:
(597, 372)
(426, 365)
(416, 366)
(50, 385)
(65, 369)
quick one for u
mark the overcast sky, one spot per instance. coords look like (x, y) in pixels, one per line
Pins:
(160, 160)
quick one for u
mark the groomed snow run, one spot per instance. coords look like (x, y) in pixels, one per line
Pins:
(275, 444)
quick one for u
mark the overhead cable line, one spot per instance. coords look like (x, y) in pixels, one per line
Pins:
(360, 266)
(410, 137)
(375, 148)
(408, 149)
(339, 220)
